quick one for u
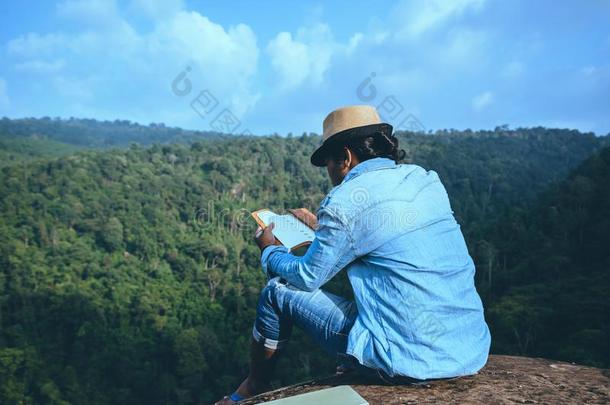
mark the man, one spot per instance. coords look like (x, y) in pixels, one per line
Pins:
(416, 313)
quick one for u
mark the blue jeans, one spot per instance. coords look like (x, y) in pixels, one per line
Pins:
(326, 317)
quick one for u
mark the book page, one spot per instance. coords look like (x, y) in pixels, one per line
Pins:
(288, 229)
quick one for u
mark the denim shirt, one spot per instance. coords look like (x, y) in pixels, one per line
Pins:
(392, 228)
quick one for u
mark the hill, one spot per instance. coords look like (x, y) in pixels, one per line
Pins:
(549, 295)
(91, 133)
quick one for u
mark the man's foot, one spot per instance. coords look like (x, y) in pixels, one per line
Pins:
(225, 401)
(246, 390)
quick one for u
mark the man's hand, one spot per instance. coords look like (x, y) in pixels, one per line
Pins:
(305, 216)
(264, 237)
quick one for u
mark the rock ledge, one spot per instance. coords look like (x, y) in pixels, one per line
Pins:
(504, 380)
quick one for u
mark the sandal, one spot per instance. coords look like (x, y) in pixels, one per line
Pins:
(235, 397)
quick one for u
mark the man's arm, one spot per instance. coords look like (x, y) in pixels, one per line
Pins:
(331, 250)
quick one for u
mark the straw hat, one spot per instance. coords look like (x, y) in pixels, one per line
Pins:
(347, 123)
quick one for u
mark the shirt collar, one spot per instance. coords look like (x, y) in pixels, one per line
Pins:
(369, 165)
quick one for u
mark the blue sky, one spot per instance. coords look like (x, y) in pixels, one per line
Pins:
(271, 66)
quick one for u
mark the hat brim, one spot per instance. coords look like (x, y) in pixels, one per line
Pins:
(318, 158)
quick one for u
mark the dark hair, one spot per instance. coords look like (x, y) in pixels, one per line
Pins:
(377, 144)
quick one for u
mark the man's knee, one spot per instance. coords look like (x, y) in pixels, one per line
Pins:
(273, 284)
(269, 291)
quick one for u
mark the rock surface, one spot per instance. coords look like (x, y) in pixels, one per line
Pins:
(504, 380)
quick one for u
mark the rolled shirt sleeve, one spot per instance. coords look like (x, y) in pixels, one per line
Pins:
(268, 251)
(331, 250)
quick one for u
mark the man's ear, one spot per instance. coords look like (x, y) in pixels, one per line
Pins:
(349, 157)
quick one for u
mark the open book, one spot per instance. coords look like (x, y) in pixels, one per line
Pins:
(343, 394)
(289, 230)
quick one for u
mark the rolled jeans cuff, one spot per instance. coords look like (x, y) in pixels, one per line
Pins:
(268, 343)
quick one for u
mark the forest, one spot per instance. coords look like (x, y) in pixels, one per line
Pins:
(128, 273)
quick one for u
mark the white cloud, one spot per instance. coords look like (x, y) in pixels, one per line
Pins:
(406, 65)
(483, 100)
(221, 52)
(41, 66)
(513, 70)
(77, 90)
(305, 57)
(354, 42)
(395, 46)
(99, 61)
(227, 59)
(4, 100)
(463, 48)
(155, 9)
(93, 13)
(414, 18)
(36, 45)
(89, 44)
